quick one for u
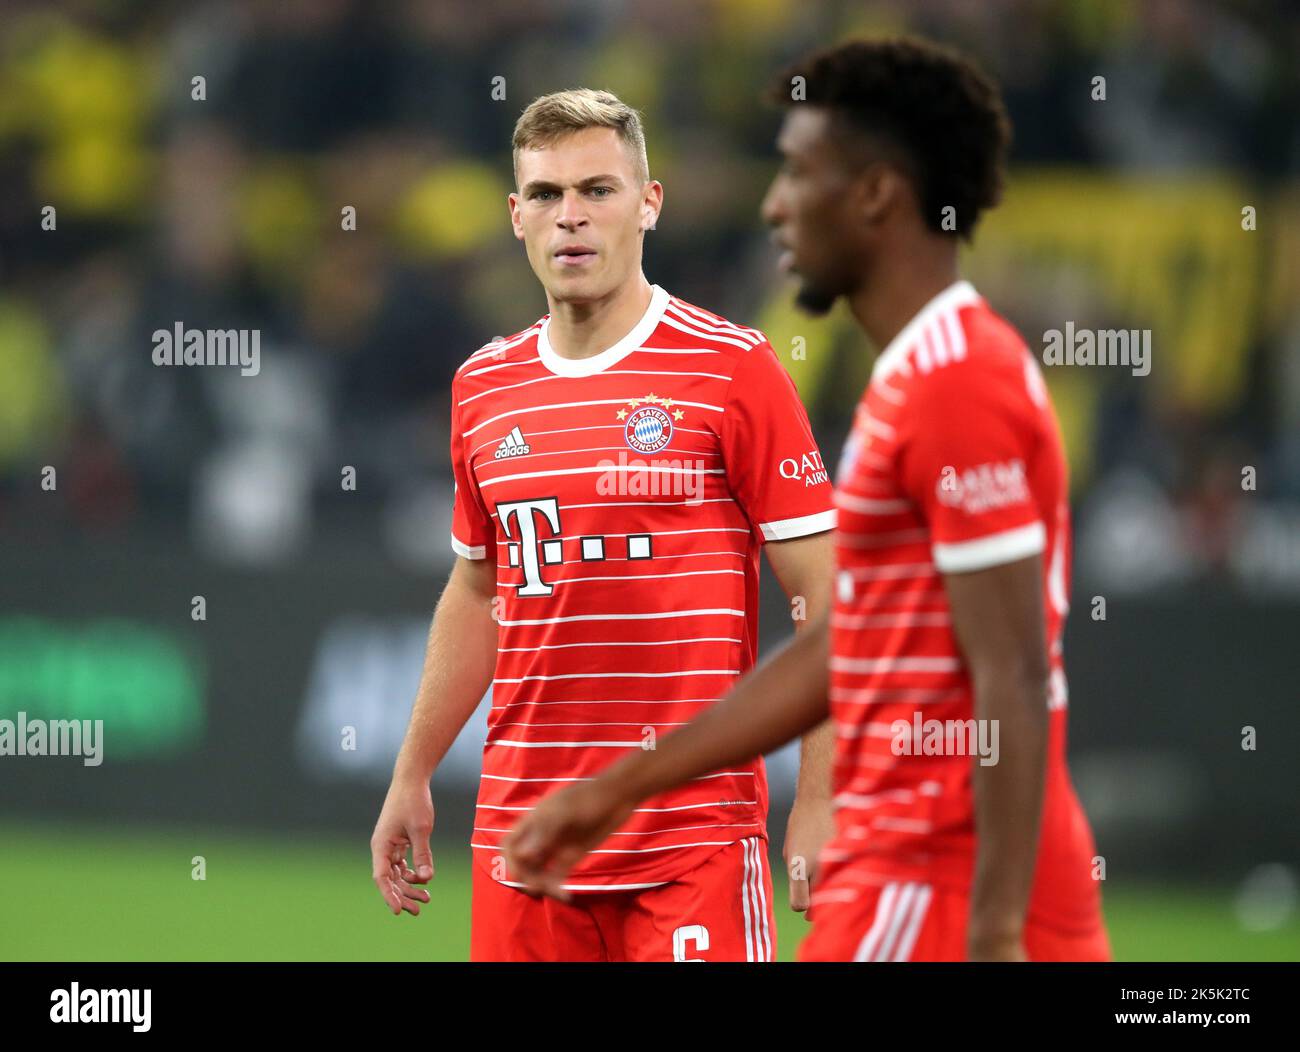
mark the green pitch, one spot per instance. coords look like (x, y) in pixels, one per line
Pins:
(76, 893)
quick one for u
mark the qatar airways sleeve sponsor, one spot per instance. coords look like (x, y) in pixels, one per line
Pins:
(774, 468)
(807, 469)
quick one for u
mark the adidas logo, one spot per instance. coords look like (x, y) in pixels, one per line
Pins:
(513, 445)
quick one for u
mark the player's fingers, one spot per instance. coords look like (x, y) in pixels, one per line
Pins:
(526, 845)
(391, 898)
(381, 872)
(799, 895)
(421, 860)
(409, 892)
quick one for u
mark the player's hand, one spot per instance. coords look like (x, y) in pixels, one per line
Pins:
(550, 840)
(810, 826)
(405, 823)
(995, 947)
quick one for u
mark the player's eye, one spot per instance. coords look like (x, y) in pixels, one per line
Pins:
(542, 195)
(601, 191)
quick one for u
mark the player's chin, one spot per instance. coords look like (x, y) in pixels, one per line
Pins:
(815, 298)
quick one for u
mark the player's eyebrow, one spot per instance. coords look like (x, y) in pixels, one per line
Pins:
(536, 185)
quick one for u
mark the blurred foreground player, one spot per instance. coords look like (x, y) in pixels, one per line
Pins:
(958, 833)
(618, 466)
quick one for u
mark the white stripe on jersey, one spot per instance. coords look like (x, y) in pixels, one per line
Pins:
(680, 350)
(701, 778)
(884, 908)
(607, 372)
(713, 322)
(628, 675)
(624, 617)
(504, 365)
(643, 810)
(645, 504)
(604, 723)
(764, 934)
(621, 643)
(584, 701)
(598, 470)
(905, 899)
(744, 904)
(801, 526)
(740, 342)
(651, 533)
(677, 428)
(624, 577)
(578, 405)
(497, 346)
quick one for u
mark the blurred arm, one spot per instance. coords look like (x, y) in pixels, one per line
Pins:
(805, 568)
(998, 618)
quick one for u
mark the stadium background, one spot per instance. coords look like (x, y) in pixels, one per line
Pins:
(225, 736)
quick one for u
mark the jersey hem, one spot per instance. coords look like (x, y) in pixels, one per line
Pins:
(468, 551)
(995, 549)
(801, 526)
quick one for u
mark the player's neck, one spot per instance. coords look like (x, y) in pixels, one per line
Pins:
(584, 329)
(900, 285)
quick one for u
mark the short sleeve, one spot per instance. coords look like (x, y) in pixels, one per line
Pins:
(966, 460)
(471, 525)
(774, 468)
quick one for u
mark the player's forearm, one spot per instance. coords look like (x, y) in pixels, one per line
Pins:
(772, 705)
(805, 568)
(459, 663)
(1008, 801)
(816, 754)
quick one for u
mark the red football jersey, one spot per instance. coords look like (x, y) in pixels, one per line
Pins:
(954, 464)
(624, 498)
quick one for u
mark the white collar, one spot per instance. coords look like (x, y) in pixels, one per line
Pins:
(957, 295)
(596, 363)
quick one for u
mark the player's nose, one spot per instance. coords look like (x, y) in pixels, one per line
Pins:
(770, 210)
(572, 214)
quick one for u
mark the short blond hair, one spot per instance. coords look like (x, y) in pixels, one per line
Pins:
(551, 117)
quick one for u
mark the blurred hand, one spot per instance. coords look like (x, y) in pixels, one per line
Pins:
(550, 840)
(995, 947)
(405, 823)
(810, 826)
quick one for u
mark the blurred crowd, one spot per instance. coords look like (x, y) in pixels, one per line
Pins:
(134, 196)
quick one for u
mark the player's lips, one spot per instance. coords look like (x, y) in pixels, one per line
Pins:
(575, 255)
(785, 261)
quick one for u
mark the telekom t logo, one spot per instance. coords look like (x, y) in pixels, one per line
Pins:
(531, 554)
(522, 512)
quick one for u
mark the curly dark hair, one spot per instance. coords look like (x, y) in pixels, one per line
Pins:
(929, 103)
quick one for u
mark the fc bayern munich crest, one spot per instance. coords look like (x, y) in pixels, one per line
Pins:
(648, 428)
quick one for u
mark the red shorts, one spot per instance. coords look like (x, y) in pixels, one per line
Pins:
(719, 911)
(910, 921)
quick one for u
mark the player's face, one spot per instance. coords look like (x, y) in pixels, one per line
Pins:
(807, 207)
(581, 212)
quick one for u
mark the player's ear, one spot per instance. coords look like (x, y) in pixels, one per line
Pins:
(876, 190)
(651, 205)
(516, 220)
